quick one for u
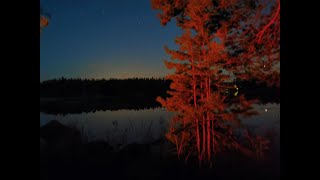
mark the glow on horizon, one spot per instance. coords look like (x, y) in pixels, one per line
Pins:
(111, 40)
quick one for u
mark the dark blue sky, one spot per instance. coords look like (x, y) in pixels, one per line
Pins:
(103, 39)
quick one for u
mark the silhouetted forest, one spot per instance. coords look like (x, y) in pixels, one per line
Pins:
(84, 95)
(133, 87)
(148, 88)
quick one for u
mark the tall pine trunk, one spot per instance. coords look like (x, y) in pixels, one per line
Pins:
(195, 106)
(203, 153)
(208, 123)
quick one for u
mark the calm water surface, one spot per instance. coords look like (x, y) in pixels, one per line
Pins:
(148, 124)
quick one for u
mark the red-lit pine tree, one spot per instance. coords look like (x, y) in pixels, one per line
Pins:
(254, 38)
(203, 114)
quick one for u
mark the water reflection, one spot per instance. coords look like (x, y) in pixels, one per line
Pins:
(61, 106)
(136, 125)
(267, 123)
(148, 123)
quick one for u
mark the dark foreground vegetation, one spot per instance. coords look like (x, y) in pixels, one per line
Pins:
(65, 154)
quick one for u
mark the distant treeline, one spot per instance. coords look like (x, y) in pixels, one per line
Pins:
(149, 88)
(133, 87)
(63, 96)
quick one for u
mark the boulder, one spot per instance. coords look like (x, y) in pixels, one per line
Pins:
(60, 138)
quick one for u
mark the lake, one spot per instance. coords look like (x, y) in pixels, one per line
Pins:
(123, 126)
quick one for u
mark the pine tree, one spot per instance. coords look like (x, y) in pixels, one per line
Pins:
(255, 40)
(198, 86)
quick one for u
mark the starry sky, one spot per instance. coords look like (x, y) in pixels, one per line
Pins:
(104, 39)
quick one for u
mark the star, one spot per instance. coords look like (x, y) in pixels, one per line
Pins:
(138, 20)
(83, 13)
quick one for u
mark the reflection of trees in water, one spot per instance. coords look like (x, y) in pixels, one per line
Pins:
(56, 111)
(93, 105)
(78, 106)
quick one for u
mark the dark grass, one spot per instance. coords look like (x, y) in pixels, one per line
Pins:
(79, 160)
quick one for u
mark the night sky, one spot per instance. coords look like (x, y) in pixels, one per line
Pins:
(103, 39)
